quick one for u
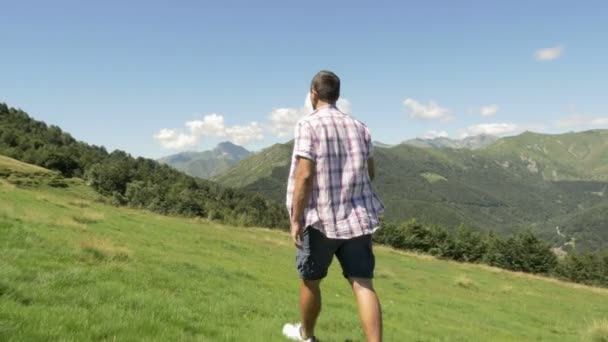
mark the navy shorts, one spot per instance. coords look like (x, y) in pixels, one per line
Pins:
(317, 252)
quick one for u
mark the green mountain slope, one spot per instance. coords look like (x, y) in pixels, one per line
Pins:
(473, 143)
(74, 268)
(570, 156)
(207, 164)
(265, 172)
(588, 226)
(488, 189)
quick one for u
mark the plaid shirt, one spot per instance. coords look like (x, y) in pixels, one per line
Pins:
(342, 204)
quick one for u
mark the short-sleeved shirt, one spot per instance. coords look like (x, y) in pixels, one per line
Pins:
(342, 204)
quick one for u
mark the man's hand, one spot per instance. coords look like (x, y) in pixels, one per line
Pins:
(305, 171)
(296, 233)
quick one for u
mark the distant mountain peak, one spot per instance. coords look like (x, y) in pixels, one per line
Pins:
(206, 164)
(230, 150)
(228, 144)
(381, 144)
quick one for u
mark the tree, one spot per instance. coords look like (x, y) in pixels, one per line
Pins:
(468, 245)
(523, 252)
(589, 268)
(63, 163)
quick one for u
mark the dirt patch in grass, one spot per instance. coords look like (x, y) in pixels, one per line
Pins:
(103, 250)
(385, 272)
(80, 204)
(597, 331)
(465, 282)
(48, 200)
(88, 218)
(506, 289)
(277, 242)
(6, 185)
(66, 221)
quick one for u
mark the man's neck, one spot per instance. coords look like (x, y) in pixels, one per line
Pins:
(322, 104)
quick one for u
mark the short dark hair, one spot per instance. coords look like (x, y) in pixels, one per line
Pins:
(327, 86)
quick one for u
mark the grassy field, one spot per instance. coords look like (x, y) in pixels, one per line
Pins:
(75, 269)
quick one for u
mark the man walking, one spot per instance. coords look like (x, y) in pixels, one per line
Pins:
(332, 207)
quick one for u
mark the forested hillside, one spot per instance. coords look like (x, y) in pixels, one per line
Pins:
(137, 182)
(491, 189)
(569, 156)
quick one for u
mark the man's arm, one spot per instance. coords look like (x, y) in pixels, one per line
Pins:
(305, 172)
(371, 168)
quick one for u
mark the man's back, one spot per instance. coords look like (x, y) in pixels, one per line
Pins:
(332, 208)
(342, 203)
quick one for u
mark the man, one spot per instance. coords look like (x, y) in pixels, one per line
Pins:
(332, 207)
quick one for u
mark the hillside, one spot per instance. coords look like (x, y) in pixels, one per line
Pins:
(473, 143)
(207, 164)
(570, 156)
(265, 172)
(135, 182)
(74, 268)
(487, 189)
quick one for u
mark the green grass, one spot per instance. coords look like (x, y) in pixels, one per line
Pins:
(75, 269)
(14, 166)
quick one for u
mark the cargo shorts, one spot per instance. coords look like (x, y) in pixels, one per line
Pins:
(316, 253)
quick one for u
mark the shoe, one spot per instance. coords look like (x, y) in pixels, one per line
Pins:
(293, 332)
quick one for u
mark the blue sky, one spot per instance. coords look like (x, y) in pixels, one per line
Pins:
(155, 77)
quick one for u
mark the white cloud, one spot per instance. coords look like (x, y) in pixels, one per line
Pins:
(496, 129)
(435, 134)
(430, 111)
(211, 125)
(581, 120)
(169, 138)
(489, 110)
(549, 54)
(283, 120)
(344, 105)
(242, 135)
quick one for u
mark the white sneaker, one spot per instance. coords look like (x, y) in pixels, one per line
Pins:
(292, 331)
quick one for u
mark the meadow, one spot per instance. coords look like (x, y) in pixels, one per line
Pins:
(74, 268)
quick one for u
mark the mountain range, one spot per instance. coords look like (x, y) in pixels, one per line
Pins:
(554, 185)
(473, 142)
(207, 164)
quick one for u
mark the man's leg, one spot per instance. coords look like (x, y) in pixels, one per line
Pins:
(358, 262)
(310, 306)
(312, 260)
(370, 312)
